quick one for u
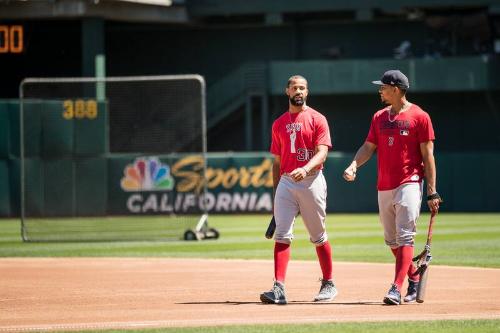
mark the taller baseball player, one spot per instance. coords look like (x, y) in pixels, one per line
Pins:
(300, 143)
(403, 136)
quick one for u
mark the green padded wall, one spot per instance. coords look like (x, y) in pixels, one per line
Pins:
(61, 183)
(94, 184)
(34, 186)
(91, 186)
(4, 129)
(57, 132)
(59, 187)
(32, 129)
(48, 133)
(91, 136)
(358, 196)
(463, 187)
(4, 189)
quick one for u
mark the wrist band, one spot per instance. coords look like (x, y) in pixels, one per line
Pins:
(307, 172)
(434, 196)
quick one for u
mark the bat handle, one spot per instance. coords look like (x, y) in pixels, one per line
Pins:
(271, 228)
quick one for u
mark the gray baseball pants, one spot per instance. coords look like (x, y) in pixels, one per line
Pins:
(399, 210)
(307, 197)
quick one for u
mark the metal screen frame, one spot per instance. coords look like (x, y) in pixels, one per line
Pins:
(97, 80)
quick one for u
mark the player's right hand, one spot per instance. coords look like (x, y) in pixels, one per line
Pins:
(350, 173)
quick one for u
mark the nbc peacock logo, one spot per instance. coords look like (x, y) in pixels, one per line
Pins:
(147, 174)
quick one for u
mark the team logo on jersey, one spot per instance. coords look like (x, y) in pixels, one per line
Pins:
(294, 127)
(404, 132)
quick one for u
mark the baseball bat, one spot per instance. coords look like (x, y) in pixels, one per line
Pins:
(422, 286)
(271, 228)
(424, 259)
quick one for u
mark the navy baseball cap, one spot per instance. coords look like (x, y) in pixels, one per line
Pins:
(394, 77)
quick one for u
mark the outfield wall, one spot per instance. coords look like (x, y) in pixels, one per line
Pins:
(239, 182)
(70, 172)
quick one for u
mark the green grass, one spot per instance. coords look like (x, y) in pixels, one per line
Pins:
(459, 239)
(443, 326)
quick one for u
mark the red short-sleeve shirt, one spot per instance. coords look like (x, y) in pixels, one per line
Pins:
(295, 137)
(398, 140)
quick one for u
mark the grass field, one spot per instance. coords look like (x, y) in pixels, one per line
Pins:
(449, 326)
(459, 239)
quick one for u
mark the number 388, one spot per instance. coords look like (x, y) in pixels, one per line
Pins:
(79, 109)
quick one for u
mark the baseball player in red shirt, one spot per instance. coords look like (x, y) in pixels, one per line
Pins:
(300, 143)
(403, 136)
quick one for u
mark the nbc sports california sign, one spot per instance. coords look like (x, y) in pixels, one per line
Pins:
(152, 185)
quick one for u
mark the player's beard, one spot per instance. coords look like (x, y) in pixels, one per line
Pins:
(384, 101)
(297, 100)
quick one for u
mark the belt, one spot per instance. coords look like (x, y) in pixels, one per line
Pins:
(311, 173)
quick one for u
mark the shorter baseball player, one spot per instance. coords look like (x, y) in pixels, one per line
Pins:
(403, 136)
(300, 143)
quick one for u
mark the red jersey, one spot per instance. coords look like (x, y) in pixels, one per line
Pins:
(295, 137)
(398, 141)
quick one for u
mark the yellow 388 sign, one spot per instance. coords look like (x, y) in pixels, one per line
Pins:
(79, 109)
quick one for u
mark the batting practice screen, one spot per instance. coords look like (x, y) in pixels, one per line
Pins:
(117, 158)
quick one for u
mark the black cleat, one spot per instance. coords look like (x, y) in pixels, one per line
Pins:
(393, 296)
(276, 295)
(411, 294)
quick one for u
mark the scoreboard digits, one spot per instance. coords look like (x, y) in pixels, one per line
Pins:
(11, 39)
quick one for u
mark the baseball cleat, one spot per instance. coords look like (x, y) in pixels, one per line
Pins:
(393, 296)
(276, 295)
(327, 292)
(411, 294)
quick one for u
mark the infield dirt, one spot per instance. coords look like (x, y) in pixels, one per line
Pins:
(52, 294)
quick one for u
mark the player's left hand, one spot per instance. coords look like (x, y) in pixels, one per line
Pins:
(433, 205)
(433, 202)
(298, 174)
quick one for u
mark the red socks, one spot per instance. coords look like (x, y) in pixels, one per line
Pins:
(411, 273)
(411, 270)
(404, 256)
(281, 258)
(324, 252)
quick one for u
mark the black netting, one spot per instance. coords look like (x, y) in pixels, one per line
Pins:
(99, 148)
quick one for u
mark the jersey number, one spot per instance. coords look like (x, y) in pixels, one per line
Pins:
(293, 136)
(304, 154)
